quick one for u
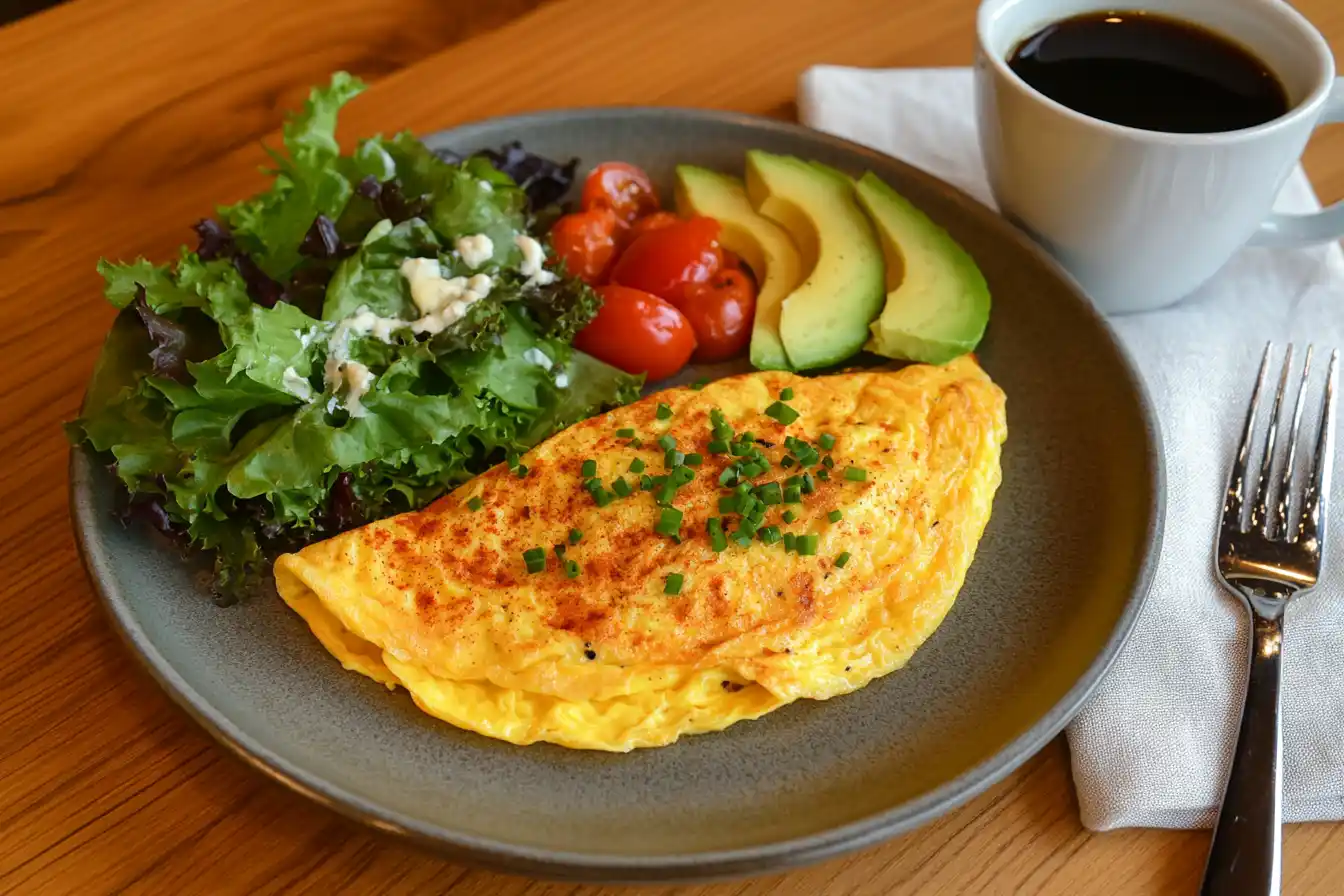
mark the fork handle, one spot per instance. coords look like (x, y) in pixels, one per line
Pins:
(1245, 858)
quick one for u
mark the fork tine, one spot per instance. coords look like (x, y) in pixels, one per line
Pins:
(1236, 484)
(1279, 522)
(1312, 526)
(1260, 519)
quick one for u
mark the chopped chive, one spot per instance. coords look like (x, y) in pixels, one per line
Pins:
(592, 483)
(672, 584)
(747, 526)
(694, 460)
(728, 504)
(666, 492)
(827, 441)
(856, 474)
(742, 539)
(823, 474)
(747, 438)
(842, 559)
(575, 536)
(669, 522)
(646, 482)
(835, 516)
(769, 534)
(636, 442)
(475, 503)
(699, 384)
(790, 541)
(667, 443)
(636, 466)
(723, 431)
(747, 505)
(793, 495)
(718, 446)
(742, 488)
(782, 412)
(672, 458)
(753, 469)
(827, 462)
(520, 471)
(789, 516)
(807, 544)
(793, 480)
(559, 551)
(809, 484)
(682, 475)
(534, 559)
(571, 569)
(621, 487)
(785, 394)
(626, 433)
(739, 449)
(588, 469)
(602, 497)
(664, 411)
(787, 462)
(770, 493)
(717, 540)
(728, 476)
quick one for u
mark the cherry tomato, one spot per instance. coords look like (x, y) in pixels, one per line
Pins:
(621, 187)
(586, 243)
(638, 332)
(650, 223)
(665, 260)
(721, 312)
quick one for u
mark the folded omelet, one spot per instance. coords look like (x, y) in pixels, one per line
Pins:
(625, 626)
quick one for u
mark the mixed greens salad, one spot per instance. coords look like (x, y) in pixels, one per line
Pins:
(371, 331)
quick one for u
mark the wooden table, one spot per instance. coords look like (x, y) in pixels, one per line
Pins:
(121, 124)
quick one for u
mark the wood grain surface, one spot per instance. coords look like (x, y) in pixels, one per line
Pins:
(121, 124)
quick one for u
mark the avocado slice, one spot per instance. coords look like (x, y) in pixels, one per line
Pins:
(825, 320)
(763, 245)
(937, 300)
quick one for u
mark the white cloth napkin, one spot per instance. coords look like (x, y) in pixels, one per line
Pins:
(1152, 747)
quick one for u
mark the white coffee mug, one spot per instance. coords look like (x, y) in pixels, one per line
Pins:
(1142, 218)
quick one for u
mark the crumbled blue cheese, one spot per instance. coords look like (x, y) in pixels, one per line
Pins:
(475, 250)
(442, 301)
(358, 381)
(364, 322)
(296, 385)
(536, 356)
(562, 380)
(533, 258)
(487, 187)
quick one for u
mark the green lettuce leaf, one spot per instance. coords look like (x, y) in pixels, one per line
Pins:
(271, 227)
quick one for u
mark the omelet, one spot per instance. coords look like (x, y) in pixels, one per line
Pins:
(547, 602)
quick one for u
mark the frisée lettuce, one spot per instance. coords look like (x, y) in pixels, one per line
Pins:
(281, 383)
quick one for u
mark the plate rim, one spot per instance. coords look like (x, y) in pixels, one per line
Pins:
(778, 855)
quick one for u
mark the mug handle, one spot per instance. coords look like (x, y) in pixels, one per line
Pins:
(1281, 231)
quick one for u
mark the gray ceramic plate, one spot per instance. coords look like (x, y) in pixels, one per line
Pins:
(1053, 593)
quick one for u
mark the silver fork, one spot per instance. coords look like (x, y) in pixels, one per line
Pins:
(1266, 556)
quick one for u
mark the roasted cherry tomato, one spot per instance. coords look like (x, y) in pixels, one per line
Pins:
(621, 187)
(586, 243)
(665, 260)
(638, 332)
(721, 311)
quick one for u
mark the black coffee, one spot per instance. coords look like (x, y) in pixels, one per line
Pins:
(1151, 72)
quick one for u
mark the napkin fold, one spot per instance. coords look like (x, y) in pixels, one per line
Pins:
(1153, 745)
